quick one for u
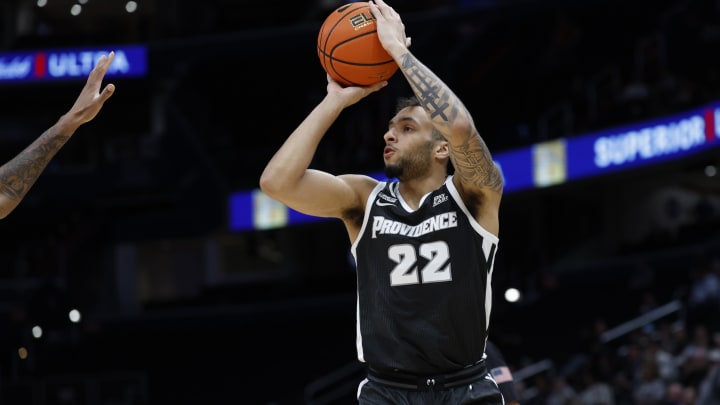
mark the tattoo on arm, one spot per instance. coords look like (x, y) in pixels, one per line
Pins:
(472, 159)
(474, 164)
(433, 94)
(20, 173)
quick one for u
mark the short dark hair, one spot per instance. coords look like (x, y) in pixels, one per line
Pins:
(412, 101)
(405, 102)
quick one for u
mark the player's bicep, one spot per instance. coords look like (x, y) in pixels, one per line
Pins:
(322, 194)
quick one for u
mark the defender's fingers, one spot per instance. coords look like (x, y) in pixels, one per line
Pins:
(107, 92)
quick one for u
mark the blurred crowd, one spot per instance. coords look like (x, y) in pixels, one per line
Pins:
(671, 360)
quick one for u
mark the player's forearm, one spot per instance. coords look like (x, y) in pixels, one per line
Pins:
(19, 174)
(67, 124)
(293, 158)
(445, 109)
(470, 155)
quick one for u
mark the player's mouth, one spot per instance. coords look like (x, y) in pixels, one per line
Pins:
(389, 151)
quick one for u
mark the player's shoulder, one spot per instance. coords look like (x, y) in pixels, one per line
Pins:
(363, 185)
(360, 181)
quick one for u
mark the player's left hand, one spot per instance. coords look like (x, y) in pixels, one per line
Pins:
(390, 28)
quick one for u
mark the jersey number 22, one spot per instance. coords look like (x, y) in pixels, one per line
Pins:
(406, 271)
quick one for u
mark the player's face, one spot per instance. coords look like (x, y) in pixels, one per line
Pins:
(408, 144)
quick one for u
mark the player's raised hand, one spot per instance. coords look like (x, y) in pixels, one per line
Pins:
(390, 28)
(91, 99)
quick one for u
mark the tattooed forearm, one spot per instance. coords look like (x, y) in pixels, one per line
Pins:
(433, 94)
(19, 174)
(471, 158)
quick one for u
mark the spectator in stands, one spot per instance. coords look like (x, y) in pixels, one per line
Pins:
(664, 359)
(650, 389)
(694, 360)
(674, 394)
(562, 393)
(709, 390)
(595, 391)
(19, 174)
(704, 299)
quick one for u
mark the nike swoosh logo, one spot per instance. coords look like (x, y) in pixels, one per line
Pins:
(381, 203)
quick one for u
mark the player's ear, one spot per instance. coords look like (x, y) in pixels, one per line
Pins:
(442, 150)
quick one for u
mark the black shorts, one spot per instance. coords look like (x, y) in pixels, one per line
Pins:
(480, 389)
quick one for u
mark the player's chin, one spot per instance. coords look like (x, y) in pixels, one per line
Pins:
(392, 170)
(389, 163)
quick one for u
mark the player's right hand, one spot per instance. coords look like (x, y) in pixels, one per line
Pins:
(352, 94)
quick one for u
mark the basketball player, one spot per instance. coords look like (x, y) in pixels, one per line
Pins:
(424, 245)
(21, 172)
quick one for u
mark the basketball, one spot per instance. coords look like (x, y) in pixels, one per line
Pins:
(349, 48)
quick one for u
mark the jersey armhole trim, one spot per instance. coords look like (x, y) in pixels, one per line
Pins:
(368, 205)
(473, 222)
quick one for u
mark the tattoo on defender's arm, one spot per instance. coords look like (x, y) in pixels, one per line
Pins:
(19, 174)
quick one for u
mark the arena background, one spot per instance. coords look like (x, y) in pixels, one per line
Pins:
(129, 224)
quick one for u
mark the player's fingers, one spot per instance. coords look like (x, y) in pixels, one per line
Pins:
(374, 9)
(110, 58)
(107, 92)
(103, 64)
(380, 9)
(377, 86)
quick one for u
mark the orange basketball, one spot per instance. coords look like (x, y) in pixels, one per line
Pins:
(349, 48)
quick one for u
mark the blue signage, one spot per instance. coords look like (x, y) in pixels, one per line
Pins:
(70, 64)
(641, 144)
